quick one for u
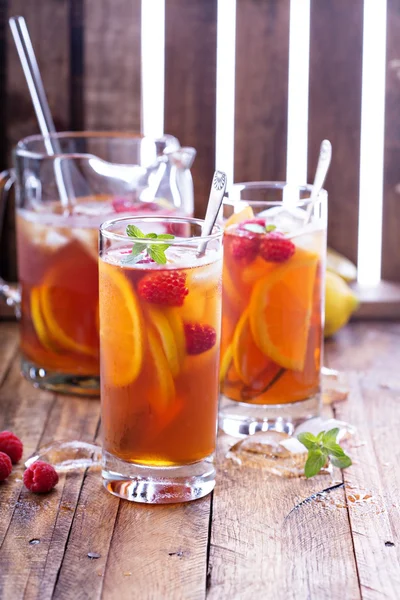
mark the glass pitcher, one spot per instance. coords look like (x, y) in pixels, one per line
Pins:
(61, 200)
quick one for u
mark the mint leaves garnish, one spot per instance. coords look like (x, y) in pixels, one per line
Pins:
(321, 447)
(155, 251)
(258, 228)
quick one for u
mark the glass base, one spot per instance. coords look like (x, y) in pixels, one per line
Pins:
(240, 419)
(158, 485)
(61, 383)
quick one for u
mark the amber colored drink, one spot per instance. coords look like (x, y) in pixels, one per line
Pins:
(272, 314)
(159, 357)
(58, 272)
(57, 259)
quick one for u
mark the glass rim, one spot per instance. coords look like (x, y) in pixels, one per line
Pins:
(217, 230)
(271, 185)
(21, 147)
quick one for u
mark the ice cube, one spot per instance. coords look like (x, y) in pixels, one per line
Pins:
(318, 424)
(286, 219)
(54, 239)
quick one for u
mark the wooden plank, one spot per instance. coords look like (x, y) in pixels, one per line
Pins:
(91, 532)
(365, 346)
(391, 206)
(373, 481)
(255, 554)
(48, 24)
(262, 51)
(335, 112)
(190, 85)
(112, 65)
(169, 551)
(3, 81)
(8, 347)
(380, 301)
(30, 570)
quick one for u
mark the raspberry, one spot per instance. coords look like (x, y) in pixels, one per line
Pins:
(11, 445)
(274, 247)
(166, 288)
(40, 477)
(5, 466)
(244, 248)
(199, 338)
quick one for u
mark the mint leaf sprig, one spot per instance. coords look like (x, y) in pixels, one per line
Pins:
(257, 228)
(321, 447)
(155, 251)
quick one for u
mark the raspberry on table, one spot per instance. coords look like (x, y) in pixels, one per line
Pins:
(244, 248)
(275, 247)
(167, 288)
(40, 477)
(199, 338)
(11, 445)
(5, 466)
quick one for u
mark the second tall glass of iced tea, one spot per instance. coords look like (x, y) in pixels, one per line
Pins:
(273, 281)
(160, 317)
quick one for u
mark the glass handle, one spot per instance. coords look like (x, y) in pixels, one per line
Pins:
(9, 292)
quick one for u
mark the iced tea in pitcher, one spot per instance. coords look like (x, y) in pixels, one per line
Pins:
(160, 312)
(272, 316)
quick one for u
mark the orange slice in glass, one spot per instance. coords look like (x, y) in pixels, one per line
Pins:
(280, 310)
(167, 338)
(38, 321)
(68, 298)
(162, 388)
(236, 218)
(176, 323)
(121, 326)
(249, 361)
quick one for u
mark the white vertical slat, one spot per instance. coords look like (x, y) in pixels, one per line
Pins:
(372, 142)
(153, 66)
(225, 110)
(299, 59)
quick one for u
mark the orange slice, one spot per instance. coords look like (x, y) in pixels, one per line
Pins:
(236, 218)
(167, 338)
(162, 388)
(38, 321)
(226, 360)
(68, 298)
(249, 361)
(121, 326)
(280, 310)
(176, 323)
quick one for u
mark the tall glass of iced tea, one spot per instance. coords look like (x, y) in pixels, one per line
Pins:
(160, 316)
(273, 281)
(61, 201)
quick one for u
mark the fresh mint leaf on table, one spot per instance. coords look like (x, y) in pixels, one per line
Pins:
(154, 251)
(320, 447)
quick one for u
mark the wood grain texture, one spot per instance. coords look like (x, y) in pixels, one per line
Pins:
(365, 346)
(262, 53)
(391, 206)
(190, 85)
(373, 410)
(112, 65)
(167, 553)
(335, 112)
(27, 570)
(48, 24)
(255, 554)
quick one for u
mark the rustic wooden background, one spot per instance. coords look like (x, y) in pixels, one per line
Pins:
(89, 55)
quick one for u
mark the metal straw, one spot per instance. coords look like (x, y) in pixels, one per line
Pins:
(46, 124)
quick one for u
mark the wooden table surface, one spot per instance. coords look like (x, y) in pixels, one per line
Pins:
(232, 544)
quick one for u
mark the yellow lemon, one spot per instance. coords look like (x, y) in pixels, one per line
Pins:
(340, 303)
